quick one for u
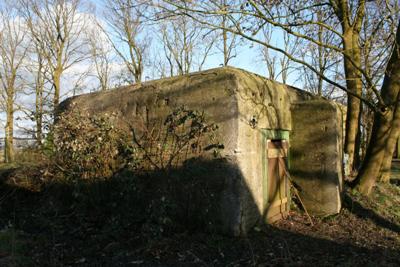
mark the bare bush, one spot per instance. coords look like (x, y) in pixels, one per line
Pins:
(167, 143)
(89, 146)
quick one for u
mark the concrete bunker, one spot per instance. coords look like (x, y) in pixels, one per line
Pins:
(265, 131)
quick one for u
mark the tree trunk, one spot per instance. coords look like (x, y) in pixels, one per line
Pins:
(39, 112)
(225, 36)
(354, 84)
(375, 153)
(56, 85)
(9, 129)
(321, 65)
(225, 41)
(138, 76)
(357, 148)
(384, 123)
(385, 171)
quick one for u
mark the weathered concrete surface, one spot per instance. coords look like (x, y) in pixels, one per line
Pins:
(262, 104)
(242, 104)
(316, 155)
(211, 92)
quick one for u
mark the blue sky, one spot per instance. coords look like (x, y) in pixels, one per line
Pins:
(248, 57)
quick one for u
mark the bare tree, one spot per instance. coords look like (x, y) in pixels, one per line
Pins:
(229, 40)
(13, 50)
(161, 67)
(126, 21)
(39, 68)
(269, 57)
(184, 42)
(56, 27)
(101, 55)
(375, 39)
(326, 61)
(279, 66)
(386, 125)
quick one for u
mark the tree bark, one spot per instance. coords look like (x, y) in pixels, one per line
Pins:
(354, 84)
(385, 123)
(56, 85)
(357, 147)
(225, 37)
(39, 110)
(9, 129)
(385, 171)
(351, 27)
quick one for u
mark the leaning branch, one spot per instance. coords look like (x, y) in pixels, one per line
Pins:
(187, 11)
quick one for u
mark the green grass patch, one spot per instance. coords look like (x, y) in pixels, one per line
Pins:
(385, 201)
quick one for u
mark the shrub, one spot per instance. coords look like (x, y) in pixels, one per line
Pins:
(30, 155)
(89, 146)
(166, 144)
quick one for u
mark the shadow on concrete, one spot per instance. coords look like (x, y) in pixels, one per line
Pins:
(162, 219)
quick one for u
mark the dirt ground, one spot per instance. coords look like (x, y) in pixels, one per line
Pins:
(58, 226)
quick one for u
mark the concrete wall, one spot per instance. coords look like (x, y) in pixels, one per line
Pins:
(316, 155)
(263, 104)
(212, 92)
(243, 105)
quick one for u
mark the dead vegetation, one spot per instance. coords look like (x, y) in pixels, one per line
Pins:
(105, 223)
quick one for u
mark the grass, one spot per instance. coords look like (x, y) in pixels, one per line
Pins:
(385, 200)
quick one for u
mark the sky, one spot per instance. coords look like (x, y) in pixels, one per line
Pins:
(248, 57)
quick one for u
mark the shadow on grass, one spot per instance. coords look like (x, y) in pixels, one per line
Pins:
(145, 220)
(365, 213)
(395, 182)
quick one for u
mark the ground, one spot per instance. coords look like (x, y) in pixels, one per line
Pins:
(60, 225)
